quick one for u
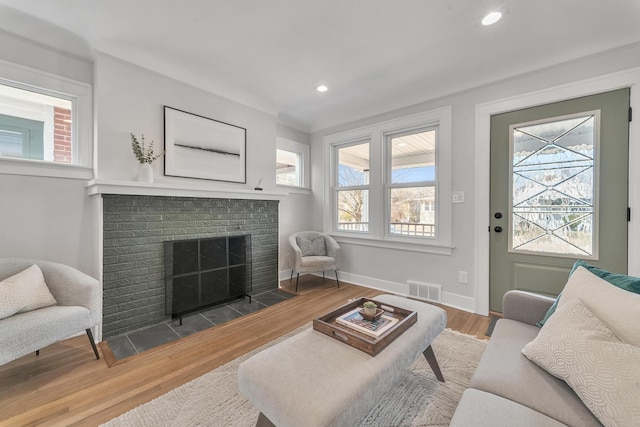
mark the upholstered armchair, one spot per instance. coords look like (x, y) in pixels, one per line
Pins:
(45, 304)
(312, 252)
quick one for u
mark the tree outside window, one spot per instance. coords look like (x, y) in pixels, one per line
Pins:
(353, 187)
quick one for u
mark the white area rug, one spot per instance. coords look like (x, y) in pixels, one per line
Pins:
(418, 399)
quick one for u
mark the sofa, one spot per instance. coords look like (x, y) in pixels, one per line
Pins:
(507, 388)
(574, 360)
(75, 308)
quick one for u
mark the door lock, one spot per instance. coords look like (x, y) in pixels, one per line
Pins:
(497, 229)
(498, 215)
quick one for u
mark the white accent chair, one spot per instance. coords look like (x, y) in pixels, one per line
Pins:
(309, 256)
(78, 309)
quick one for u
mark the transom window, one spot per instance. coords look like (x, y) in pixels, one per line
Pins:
(292, 163)
(46, 124)
(288, 168)
(35, 126)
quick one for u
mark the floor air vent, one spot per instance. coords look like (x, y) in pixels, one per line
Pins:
(425, 291)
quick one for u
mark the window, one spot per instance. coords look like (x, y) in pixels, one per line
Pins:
(389, 184)
(352, 191)
(292, 160)
(288, 168)
(552, 186)
(35, 126)
(411, 179)
(45, 124)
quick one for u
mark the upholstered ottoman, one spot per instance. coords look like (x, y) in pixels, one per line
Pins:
(311, 379)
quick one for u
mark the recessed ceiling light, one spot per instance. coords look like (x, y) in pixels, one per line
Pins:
(322, 88)
(491, 18)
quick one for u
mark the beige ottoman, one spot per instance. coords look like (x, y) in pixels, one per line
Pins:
(312, 379)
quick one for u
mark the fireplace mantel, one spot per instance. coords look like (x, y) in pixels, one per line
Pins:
(102, 186)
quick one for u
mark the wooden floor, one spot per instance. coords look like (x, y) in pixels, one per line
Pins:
(66, 385)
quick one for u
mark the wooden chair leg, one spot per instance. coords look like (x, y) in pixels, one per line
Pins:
(337, 280)
(37, 352)
(323, 276)
(93, 343)
(431, 358)
(297, 279)
(291, 278)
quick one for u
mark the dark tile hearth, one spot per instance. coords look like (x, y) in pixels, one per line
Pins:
(138, 341)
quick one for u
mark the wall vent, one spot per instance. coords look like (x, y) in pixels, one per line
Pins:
(425, 291)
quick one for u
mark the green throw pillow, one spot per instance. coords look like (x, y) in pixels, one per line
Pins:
(628, 283)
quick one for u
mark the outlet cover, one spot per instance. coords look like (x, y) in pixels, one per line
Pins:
(457, 197)
(463, 277)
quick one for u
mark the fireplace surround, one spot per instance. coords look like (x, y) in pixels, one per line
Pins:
(135, 229)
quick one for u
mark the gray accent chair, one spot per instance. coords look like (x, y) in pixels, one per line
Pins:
(310, 264)
(78, 309)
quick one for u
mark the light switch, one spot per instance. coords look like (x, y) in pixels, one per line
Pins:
(457, 197)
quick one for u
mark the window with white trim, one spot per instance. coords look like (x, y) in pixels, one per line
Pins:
(45, 124)
(292, 160)
(390, 183)
(411, 181)
(352, 189)
(35, 126)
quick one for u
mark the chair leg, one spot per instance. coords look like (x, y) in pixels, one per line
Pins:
(297, 279)
(291, 278)
(337, 278)
(93, 343)
(323, 276)
(37, 352)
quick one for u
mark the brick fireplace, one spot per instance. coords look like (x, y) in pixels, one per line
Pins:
(135, 229)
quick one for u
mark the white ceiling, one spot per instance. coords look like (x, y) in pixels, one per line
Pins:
(375, 55)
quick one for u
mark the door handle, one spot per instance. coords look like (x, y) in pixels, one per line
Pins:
(497, 229)
(498, 215)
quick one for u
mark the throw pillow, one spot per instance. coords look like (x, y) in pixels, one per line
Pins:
(313, 247)
(616, 307)
(577, 347)
(24, 292)
(630, 283)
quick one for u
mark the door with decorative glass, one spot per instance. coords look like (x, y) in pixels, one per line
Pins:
(559, 192)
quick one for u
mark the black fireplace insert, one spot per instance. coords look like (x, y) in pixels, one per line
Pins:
(204, 272)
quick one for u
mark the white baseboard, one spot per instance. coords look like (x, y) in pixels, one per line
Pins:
(458, 301)
(450, 299)
(373, 283)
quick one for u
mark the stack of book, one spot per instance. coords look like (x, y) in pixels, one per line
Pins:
(354, 320)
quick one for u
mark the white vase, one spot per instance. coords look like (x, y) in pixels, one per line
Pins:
(145, 173)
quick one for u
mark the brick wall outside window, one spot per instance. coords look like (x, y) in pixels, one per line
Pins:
(62, 135)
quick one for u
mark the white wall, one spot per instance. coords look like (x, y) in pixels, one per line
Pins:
(296, 210)
(43, 217)
(390, 269)
(130, 99)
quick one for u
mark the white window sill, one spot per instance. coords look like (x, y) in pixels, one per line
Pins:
(412, 246)
(44, 169)
(294, 190)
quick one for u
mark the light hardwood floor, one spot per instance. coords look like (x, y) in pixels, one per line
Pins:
(65, 385)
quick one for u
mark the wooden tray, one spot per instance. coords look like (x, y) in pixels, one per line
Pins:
(370, 345)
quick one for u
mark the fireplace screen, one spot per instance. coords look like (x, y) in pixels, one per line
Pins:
(205, 272)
